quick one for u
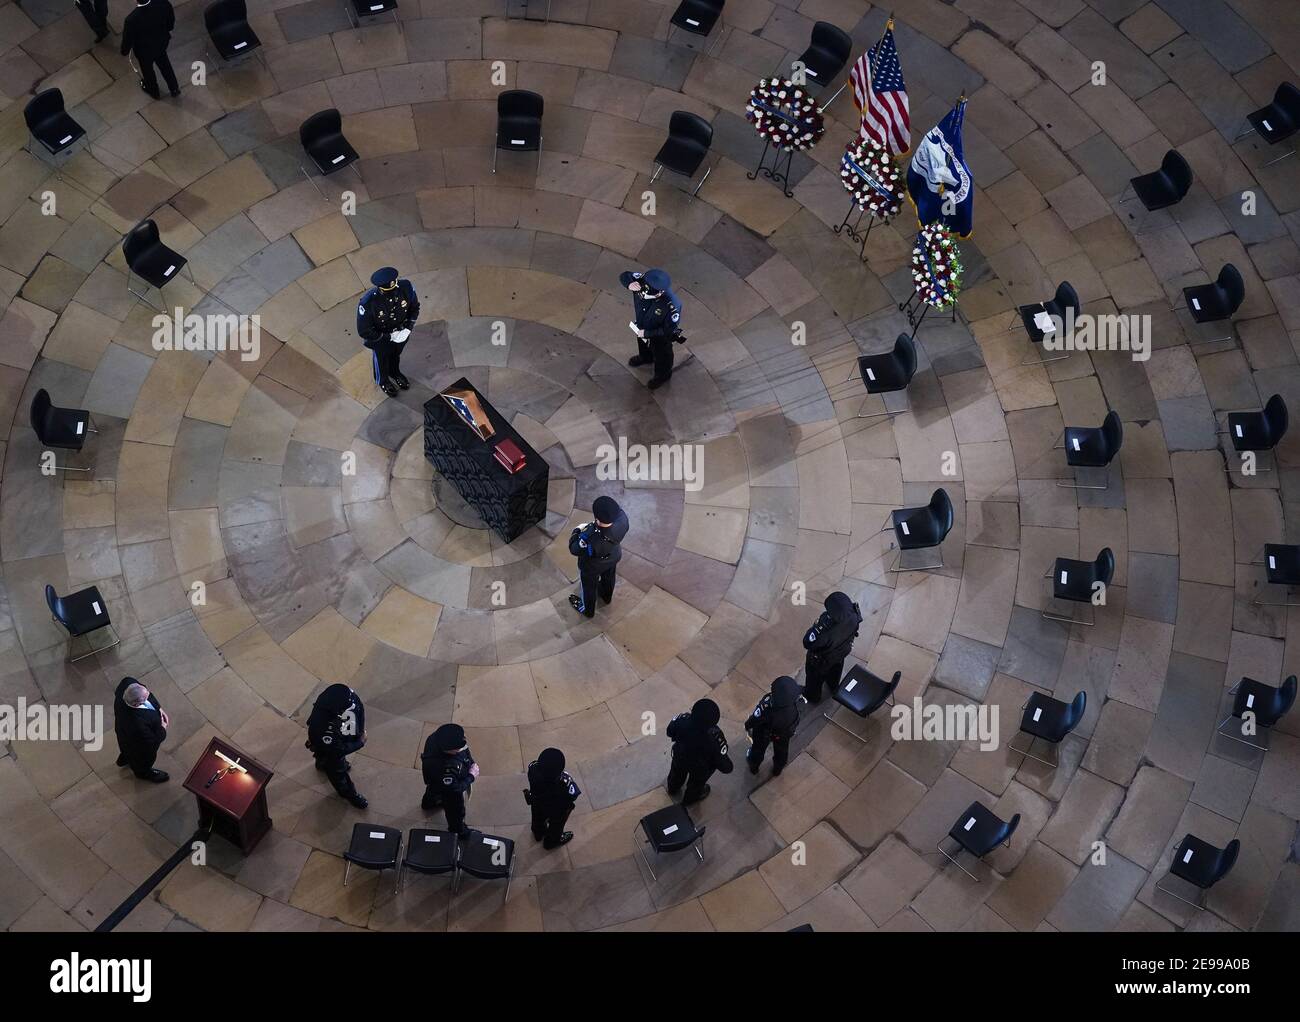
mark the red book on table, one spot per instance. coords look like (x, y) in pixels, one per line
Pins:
(507, 452)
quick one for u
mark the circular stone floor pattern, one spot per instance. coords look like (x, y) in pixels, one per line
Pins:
(229, 472)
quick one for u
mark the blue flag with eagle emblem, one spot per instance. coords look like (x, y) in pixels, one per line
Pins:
(939, 182)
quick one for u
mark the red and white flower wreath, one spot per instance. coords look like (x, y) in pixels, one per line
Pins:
(868, 171)
(785, 115)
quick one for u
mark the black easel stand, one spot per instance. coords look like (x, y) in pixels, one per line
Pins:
(783, 180)
(916, 310)
(852, 230)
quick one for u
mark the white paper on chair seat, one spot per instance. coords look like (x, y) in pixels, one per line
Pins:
(170, 270)
(810, 71)
(239, 46)
(850, 684)
(1238, 429)
(65, 140)
(969, 824)
(94, 605)
(1250, 700)
(669, 830)
(1076, 442)
(1038, 712)
(339, 159)
(1044, 322)
(377, 834)
(871, 375)
(692, 21)
(1272, 561)
(1196, 304)
(491, 841)
(518, 141)
(432, 837)
(1188, 856)
(1267, 126)
(376, 7)
(1064, 576)
(906, 530)
(81, 428)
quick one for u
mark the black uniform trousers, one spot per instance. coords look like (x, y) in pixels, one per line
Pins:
(819, 673)
(596, 583)
(150, 79)
(339, 772)
(780, 749)
(387, 360)
(452, 804)
(694, 777)
(96, 14)
(140, 758)
(658, 350)
(549, 821)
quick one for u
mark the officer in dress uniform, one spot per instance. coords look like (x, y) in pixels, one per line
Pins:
(140, 723)
(597, 546)
(775, 719)
(657, 314)
(384, 320)
(828, 642)
(551, 794)
(699, 748)
(449, 770)
(147, 32)
(335, 730)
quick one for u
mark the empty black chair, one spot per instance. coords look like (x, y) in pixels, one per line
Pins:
(50, 124)
(670, 829)
(432, 852)
(689, 138)
(1278, 121)
(1086, 447)
(863, 693)
(918, 528)
(82, 614)
(1060, 311)
(1078, 582)
(1051, 720)
(827, 53)
(1164, 187)
(1258, 431)
(228, 28)
(358, 9)
(486, 857)
(1211, 303)
(979, 831)
(373, 847)
(1281, 568)
(519, 123)
(1200, 864)
(149, 259)
(321, 136)
(887, 373)
(1268, 704)
(64, 428)
(696, 17)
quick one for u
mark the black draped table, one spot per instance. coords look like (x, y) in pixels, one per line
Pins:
(507, 503)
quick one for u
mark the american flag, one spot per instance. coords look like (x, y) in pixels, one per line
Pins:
(881, 96)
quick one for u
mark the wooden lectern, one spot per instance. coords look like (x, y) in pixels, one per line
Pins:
(231, 789)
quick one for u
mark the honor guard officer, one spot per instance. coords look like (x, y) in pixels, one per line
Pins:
(699, 748)
(147, 32)
(597, 546)
(140, 724)
(448, 770)
(828, 642)
(335, 730)
(384, 320)
(657, 314)
(551, 794)
(775, 719)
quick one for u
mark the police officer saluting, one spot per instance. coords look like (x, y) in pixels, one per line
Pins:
(384, 320)
(775, 719)
(335, 730)
(448, 770)
(146, 32)
(657, 314)
(828, 642)
(699, 748)
(597, 546)
(551, 794)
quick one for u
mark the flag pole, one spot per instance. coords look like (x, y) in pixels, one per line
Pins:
(889, 23)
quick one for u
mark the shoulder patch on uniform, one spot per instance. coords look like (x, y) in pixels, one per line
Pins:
(723, 750)
(446, 780)
(326, 739)
(812, 633)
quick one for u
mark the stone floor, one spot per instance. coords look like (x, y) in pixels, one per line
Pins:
(210, 469)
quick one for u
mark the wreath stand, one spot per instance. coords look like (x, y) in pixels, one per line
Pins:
(851, 230)
(781, 180)
(916, 308)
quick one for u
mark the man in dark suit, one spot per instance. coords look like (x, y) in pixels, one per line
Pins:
(141, 726)
(146, 33)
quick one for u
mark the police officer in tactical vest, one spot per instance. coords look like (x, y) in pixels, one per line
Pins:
(699, 748)
(384, 320)
(551, 794)
(449, 770)
(828, 642)
(335, 730)
(597, 546)
(657, 315)
(774, 720)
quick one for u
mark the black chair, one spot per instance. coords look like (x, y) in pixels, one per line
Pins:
(374, 847)
(919, 528)
(1282, 568)
(1051, 720)
(689, 138)
(82, 614)
(358, 9)
(1164, 187)
(698, 18)
(321, 136)
(50, 124)
(886, 373)
(64, 428)
(670, 829)
(228, 28)
(1278, 121)
(1258, 431)
(1267, 703)
(1212, 303)
(979, 831)
(1064, 308)
(1200, 864)
(1086, 447)
(431, 852)
(486, 857)
(519, 124)
(827, 53)
(149, 259)
(1077, 582)
(863, 693)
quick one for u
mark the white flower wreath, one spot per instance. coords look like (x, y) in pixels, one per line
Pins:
(936, 266)
(785, 115)
(868, 171)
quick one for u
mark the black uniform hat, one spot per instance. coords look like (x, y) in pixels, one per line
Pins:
(449, 737)
(605, 509)
(550, 763)
(385, 276)
(705, 712)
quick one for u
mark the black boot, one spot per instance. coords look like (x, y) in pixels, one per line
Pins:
(565, 838)
(658, 382)
(401, 381)
(638, 360)
(388, 388)
(704, 793)
(753, 767)
(359, 800)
